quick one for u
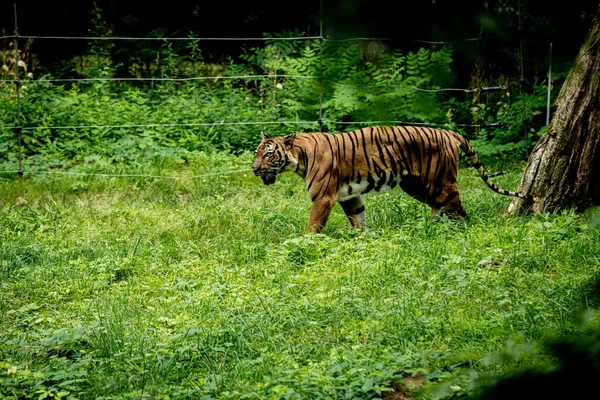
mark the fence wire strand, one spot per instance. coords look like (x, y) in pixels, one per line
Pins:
(481, 89)
(133, 126)
(419, 40)
(191, 125)
(68, 173)
(198, 78)
(242, 39)
(431, 124)
(294, 38)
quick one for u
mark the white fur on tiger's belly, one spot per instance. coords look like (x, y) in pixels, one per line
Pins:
(353, 189)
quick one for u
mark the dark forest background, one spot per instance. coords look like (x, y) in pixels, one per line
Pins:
(563, 25)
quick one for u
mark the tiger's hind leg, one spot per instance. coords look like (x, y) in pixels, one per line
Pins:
(448, 202)
(355, 211)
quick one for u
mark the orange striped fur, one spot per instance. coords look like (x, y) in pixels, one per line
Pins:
(342, 167)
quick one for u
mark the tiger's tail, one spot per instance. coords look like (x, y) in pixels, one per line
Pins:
(469, 152)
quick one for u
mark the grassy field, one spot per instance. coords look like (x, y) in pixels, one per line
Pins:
(205, 287)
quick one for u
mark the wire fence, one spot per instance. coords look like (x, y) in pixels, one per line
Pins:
(19, 82)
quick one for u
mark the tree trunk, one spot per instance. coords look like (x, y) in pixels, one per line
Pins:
(563, 170)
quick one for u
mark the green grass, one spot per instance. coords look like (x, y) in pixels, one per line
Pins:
(206, 287)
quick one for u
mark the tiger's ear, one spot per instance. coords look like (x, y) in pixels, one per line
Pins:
(289, 139)
(264, 136)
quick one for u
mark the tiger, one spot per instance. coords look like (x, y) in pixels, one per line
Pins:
(342, 167)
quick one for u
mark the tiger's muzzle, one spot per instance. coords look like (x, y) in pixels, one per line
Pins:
(267, 175)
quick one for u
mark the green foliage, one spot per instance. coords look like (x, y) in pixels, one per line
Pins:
(576, 357)
(55, 380)
(68, 124)
(358, 83)
(509, 142)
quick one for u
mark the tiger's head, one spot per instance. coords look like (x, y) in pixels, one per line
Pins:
(273, 156)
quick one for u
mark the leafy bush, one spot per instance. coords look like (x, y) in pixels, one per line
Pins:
(347, 84)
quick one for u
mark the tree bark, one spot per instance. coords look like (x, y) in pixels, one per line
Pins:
(563, 170)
